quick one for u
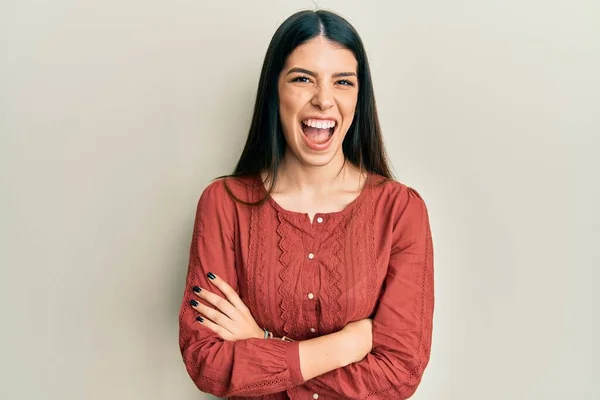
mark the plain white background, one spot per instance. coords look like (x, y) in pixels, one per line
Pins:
(114, 115)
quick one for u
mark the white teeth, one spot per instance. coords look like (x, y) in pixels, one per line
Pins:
(319, 124)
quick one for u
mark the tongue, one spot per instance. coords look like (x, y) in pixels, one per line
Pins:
(316, 135)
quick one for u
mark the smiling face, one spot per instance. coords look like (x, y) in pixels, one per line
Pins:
(318, 92)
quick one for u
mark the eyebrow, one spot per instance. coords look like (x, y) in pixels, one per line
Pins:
(314, 74)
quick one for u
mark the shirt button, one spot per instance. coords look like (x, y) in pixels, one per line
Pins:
(315, 396)
(311, 256)
(319, 220)
(311, 296)
(312, 330)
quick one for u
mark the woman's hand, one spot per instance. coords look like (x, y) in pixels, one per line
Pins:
(357, 340)
(231, 319)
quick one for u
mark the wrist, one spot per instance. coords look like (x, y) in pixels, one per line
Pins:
(260, 334)
(344, 350)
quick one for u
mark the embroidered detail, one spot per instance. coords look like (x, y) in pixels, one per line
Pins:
(219, 386)
(293, 392)
(371, 255)
(262, 269)
(330, 284)
(259, 262)
(252, 261)
(256, 389)
(289, 300)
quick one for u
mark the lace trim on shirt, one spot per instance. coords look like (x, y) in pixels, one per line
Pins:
(258, 263)
(252, 252)
(371, 258)
(256, 389)
(330, 284)
(213, 385)
(293, 392)
(289, 301)
(262, 268)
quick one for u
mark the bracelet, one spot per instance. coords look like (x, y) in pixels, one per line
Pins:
(268, 335)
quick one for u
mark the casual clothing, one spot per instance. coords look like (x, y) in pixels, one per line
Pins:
(303, 280)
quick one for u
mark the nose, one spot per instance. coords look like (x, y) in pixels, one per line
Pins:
(323, 97)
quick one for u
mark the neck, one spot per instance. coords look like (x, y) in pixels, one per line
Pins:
(295, 175)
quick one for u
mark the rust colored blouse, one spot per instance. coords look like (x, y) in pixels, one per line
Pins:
(303, 280)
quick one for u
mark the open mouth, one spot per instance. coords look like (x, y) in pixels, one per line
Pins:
(318, 132)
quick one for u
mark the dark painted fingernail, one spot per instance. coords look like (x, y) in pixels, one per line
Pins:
(199, 318)
(196, 289)
(194, 303)
(211, 275)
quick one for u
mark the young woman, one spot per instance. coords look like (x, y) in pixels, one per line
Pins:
(311, 269)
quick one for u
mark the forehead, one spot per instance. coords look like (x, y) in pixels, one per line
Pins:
(321, 55)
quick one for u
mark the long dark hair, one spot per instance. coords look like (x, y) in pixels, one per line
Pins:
(265, 146)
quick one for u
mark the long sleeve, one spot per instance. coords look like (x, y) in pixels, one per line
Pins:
(402, 325)
(251, 367)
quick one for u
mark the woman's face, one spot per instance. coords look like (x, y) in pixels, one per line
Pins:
(318, 91)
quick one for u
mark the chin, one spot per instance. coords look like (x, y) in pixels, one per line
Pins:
(316, 158)
(319, 161)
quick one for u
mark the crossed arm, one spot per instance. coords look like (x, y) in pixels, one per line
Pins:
(228, 317)
(226, 354)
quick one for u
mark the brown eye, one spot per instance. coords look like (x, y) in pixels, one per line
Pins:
(303, 79)
(345, 82)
